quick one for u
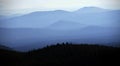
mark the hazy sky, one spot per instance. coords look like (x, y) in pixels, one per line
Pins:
(25, 6)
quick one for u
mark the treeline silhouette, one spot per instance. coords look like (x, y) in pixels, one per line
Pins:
(65, 54)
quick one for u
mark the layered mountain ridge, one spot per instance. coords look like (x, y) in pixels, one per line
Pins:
(87, 25)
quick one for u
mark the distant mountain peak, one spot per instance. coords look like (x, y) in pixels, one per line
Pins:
(64, 24)
(60, 11)
(91, 10)
(47, 12)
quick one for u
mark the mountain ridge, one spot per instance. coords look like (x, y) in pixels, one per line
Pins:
(44, 19)
(98, 27)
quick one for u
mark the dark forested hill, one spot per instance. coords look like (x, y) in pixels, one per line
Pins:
(63, 55)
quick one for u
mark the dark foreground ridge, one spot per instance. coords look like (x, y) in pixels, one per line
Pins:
(63, 55)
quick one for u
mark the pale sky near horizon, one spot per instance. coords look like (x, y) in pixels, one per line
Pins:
(24, 6)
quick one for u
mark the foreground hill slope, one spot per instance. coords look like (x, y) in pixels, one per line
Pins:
(63, 55)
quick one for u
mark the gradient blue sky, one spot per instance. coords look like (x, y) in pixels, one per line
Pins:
(25, 6)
